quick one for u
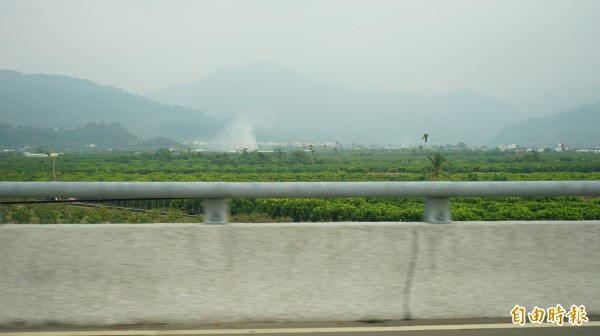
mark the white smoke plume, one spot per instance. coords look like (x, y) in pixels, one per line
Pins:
(240, 134)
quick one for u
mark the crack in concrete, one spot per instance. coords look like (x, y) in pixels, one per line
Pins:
(410, 274)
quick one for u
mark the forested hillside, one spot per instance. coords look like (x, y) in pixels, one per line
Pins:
(98, 136)
(579, 127)
(53, 101)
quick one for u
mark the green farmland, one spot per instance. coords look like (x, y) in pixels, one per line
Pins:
(321, 164)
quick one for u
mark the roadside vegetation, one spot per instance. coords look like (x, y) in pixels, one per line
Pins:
(314, 164)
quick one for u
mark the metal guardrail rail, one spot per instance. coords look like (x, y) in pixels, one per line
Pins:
(215, 194)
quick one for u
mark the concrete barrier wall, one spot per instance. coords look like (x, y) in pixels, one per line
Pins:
(189, 273)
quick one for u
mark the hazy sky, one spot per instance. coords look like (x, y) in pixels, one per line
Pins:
(542, 56)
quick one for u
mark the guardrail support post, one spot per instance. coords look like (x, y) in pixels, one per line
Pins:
(216, 211)
(437, 210)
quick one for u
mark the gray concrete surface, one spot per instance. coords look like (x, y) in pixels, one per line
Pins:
(108, 274)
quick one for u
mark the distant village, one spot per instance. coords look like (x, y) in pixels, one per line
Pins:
(560, 147)
(269, 147)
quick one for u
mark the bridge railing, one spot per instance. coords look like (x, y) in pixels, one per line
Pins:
(215, 194)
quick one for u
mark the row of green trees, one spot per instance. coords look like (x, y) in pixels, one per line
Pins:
(319, 210)
(346, 165)
(69, 214)
(376, 165)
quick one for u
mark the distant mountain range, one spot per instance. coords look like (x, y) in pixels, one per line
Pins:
(283, 104)
(579, 127)
(276, 104)
(52, 101)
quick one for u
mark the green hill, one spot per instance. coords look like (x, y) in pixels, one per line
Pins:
(99, 136)
(579, 127)
(52, 101)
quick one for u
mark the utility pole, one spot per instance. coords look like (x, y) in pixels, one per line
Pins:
(54, 156)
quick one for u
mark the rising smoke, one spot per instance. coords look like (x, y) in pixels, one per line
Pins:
(239, 134)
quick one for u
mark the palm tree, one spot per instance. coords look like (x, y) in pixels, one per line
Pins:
(437, 171)
(425, 137)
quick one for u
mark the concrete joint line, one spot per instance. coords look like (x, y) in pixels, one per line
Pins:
(410, 275)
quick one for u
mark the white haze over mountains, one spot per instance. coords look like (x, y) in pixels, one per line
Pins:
(267, 100)
(395, 68)
(540, 56)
